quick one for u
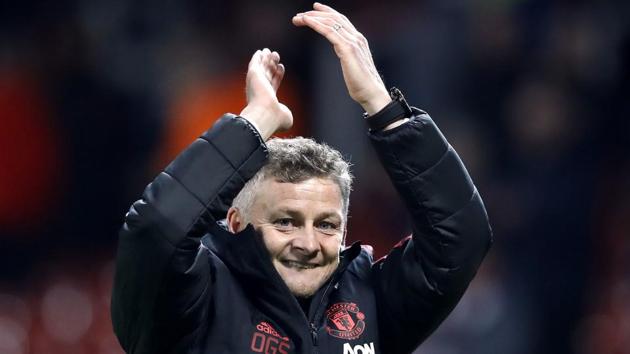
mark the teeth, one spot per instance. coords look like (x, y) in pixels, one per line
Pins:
(298, 265)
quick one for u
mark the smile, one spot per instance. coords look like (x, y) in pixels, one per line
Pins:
(298, 265)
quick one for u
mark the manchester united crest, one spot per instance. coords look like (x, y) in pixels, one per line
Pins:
(345, 321)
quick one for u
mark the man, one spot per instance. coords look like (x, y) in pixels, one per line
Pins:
(279, 280)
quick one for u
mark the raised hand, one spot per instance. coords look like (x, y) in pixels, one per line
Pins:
(263, 110)
(359, 72)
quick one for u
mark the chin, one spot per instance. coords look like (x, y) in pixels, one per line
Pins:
(304, 288)
(304, 283)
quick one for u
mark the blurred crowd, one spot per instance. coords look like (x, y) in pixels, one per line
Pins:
(96, 96)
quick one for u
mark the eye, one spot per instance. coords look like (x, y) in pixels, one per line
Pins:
(328, 226)
(284, 223)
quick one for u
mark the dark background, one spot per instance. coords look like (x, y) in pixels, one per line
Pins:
(96, 96)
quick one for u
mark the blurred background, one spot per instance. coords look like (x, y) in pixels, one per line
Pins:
(96, 96)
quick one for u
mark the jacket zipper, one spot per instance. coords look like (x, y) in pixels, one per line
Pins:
(313, 321)
(314, 334)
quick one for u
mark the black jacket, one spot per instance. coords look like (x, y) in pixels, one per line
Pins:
(184, 284)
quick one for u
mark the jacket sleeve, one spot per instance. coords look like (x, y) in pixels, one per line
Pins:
(162, 285)
(424, 276)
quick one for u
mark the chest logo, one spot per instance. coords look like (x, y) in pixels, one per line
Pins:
(345, 320)
(267, 340)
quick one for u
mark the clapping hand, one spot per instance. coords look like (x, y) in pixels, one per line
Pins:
(362, 80)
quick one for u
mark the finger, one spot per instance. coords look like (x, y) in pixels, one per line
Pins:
(325, 30)
(330, 10)
(334, 24)
(348, 36)
(254, 60)
(337, 17)
(275, 57)
(320, 14)
(265, 56)
(325, 20)
(298, 20)
(322, 7)
(278, 75)
(272, 59)
(269, 65)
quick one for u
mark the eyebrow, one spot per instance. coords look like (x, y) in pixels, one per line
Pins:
(297, 214)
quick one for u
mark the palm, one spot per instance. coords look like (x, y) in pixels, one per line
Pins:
(264, 77)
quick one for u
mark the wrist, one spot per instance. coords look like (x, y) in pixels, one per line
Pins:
(262, 118)
(395, 113)
(376, 103)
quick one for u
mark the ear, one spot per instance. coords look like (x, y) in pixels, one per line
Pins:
(235, 221)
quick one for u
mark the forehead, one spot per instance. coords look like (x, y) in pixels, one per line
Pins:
(310, 195)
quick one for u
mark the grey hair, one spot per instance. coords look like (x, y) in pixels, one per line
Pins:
(296, 160)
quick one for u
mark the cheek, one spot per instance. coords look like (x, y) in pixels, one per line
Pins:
(274, 241)
(331, 246)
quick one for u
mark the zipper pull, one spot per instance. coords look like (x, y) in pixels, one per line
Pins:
(314, 334)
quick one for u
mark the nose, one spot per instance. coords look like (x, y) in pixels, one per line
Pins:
(306, 242)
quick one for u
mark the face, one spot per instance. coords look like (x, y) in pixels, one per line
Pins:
(302, 226)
